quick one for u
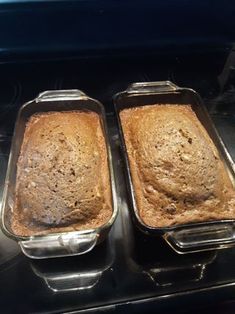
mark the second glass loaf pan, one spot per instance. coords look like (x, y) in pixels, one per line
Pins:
(190, 237)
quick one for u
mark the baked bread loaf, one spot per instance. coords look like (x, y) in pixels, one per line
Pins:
(63, 181)
(176, 170)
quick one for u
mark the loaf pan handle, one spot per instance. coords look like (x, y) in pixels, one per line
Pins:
(201, 238)
(151, 87)
(54, 95)
(59, 245)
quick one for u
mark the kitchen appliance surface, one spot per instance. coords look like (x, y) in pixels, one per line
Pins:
(128, 272)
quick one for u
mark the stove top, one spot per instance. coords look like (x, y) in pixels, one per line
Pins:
(129, 270)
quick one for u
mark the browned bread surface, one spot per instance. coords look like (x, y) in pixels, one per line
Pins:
(63, 181)
(177, 173)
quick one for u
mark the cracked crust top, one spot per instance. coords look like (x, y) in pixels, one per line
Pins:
(63, 181)
(177, 173)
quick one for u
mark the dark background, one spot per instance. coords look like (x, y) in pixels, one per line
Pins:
(88, 28)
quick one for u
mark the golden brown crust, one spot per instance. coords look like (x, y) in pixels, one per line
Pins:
(63, 181)
(177, 173)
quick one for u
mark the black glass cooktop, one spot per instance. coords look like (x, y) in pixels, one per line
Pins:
(129, 272)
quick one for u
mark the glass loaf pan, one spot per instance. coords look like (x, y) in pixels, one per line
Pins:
(189, 237)
(64, 243)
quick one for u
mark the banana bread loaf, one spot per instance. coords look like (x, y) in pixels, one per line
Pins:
(177, 173)
(63, 181)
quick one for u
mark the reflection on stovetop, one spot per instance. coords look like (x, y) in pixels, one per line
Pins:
(128, 266)
(10, 95)
(164, 266)
(77, 273)
(103, 78)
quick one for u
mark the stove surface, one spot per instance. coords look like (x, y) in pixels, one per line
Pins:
(128, 267)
